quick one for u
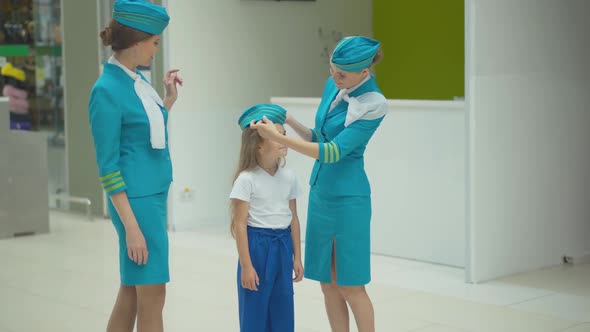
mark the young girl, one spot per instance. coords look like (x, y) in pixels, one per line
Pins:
(265, 225)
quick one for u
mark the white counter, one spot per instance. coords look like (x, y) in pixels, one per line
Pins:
(416, 164)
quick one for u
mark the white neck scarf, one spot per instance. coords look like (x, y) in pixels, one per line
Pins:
(343, 93)
(151, 104)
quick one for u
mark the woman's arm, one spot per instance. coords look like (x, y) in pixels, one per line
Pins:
(105, 125)
(267, 130)
(168, 103)
(136, 246)
(303, 131)
(356, 134)
(170, 81)
(310, 149)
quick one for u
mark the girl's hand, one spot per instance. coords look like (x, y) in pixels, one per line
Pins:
(266, 128)
(298, 269)
(136, 247)
(250, 278)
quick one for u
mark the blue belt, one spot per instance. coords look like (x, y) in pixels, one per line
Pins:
(280, 245)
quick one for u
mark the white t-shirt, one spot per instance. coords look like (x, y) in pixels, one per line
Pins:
(268, 196)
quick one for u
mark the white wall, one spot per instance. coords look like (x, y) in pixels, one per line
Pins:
(416, 165)
(529, 129)
(234, 53)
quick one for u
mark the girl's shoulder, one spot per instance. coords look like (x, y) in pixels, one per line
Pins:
(288, 173)
(247, 174)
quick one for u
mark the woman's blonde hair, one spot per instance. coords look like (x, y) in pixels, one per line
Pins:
(251, 141)
(378, 57)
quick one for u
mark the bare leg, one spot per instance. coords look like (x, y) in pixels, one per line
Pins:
(361, 306)
(123, 316)
(335, 302)
(150, 304)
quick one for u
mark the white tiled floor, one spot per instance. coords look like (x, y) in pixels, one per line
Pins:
(66, 281)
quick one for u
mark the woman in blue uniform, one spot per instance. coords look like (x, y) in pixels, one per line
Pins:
(337, 244)
(128, 123)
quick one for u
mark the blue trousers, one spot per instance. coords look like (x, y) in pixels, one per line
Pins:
(271, 308)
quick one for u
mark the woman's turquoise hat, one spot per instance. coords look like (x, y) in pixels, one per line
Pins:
(355, 53)
(141, 15)
(274, 113)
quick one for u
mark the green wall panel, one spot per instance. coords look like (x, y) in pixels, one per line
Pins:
(423, 45)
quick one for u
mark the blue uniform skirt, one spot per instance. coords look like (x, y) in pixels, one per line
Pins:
(150, 212)
(346, 223)
(271, 308)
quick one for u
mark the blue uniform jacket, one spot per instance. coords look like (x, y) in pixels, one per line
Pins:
(121, 132)
(340, 170)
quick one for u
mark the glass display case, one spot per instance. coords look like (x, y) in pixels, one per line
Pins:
(30, 44)
(32, 77)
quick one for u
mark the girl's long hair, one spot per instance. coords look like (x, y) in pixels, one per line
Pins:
(251, 141)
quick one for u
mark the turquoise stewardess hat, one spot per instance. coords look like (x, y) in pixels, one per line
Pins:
(141, 15)
(355, 53)
(274, 113)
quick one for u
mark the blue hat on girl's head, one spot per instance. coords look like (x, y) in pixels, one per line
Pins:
(274, 113)
(141, 15)
(355, 53)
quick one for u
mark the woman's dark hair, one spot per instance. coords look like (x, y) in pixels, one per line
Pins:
(120, 37)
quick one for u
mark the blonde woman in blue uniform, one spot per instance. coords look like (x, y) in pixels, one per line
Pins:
(337, 245)
(266, 227)
(128, 123)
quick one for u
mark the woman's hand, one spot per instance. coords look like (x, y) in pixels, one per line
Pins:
(171, 80)
(266, 128)
(249, 278)
(288, 119)
(136, 246)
